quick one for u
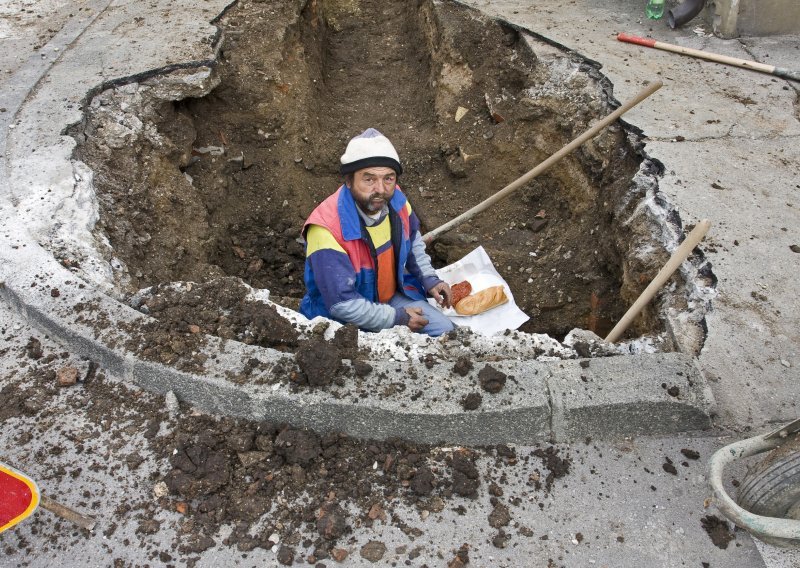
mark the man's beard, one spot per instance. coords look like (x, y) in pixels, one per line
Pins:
(371, 208)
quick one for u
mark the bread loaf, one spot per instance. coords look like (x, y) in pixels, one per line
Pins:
(479, 302)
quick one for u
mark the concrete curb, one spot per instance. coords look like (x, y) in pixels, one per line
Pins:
(554, 400)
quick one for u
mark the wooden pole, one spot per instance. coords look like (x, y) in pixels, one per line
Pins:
(525, 178)
(680, 254)
(735, 61)
(64, 512)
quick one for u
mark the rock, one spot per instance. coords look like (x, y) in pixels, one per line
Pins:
(794, 248)
(298, 446)
(495, 490)
(376, 512)
(373, 551)
(194, 328)
(472, 401)
(361, 368)
(319, 361)
(331, 522)
(285, 555)
(669, 468)
(171, 402)
(463, 366)
(491, 379)
(34, 348)
(691, 454)
(500, 539)
(338, 554)
(250, 459)
(134, 460)
(160, 489)
(422, 482)
(538, 224)
(499, 517)
(66, 376)
(456, 165)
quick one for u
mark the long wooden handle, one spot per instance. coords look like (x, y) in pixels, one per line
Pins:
(525, 178)
(65, 512)
(746, 64)
(680, 254)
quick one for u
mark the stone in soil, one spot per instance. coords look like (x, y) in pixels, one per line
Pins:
(717, 530)
(331, 521)
(499, 517)
(491, 379)
(373, 551)
(556, 466)
(423, 481)
(691, 454)
(298, 446)
(66, 376)
(462, 366)
(466, 478)
(472, 401)
(285, 555)
(320, 361)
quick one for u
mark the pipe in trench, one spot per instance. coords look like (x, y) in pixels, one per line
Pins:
(684, 12)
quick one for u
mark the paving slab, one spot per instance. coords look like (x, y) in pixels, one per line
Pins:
(616, 397)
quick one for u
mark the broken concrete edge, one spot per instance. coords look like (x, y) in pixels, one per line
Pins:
(559, 401)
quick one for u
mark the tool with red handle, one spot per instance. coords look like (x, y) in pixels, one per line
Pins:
(754, 65)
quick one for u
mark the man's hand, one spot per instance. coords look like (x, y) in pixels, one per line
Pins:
(442, 294)
(416, 320)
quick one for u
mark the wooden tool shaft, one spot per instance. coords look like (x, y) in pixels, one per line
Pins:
(647, 42)
(525, 178)
(680, 254)
(82, 521)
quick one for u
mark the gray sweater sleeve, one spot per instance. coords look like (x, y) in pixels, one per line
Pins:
(429, 278)
(369, 315)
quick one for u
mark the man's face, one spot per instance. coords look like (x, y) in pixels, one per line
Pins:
(372, 188)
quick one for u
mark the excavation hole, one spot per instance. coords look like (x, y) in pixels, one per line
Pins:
(199, 188)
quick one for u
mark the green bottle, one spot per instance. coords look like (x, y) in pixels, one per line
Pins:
(654, 9)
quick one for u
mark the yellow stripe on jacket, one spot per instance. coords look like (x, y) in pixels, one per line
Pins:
(318, 238)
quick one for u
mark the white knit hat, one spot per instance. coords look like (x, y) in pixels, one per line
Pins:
(370, 148)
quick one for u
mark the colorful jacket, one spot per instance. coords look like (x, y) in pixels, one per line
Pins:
(340, 271)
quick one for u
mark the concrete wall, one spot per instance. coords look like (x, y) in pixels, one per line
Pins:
(734, 18)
